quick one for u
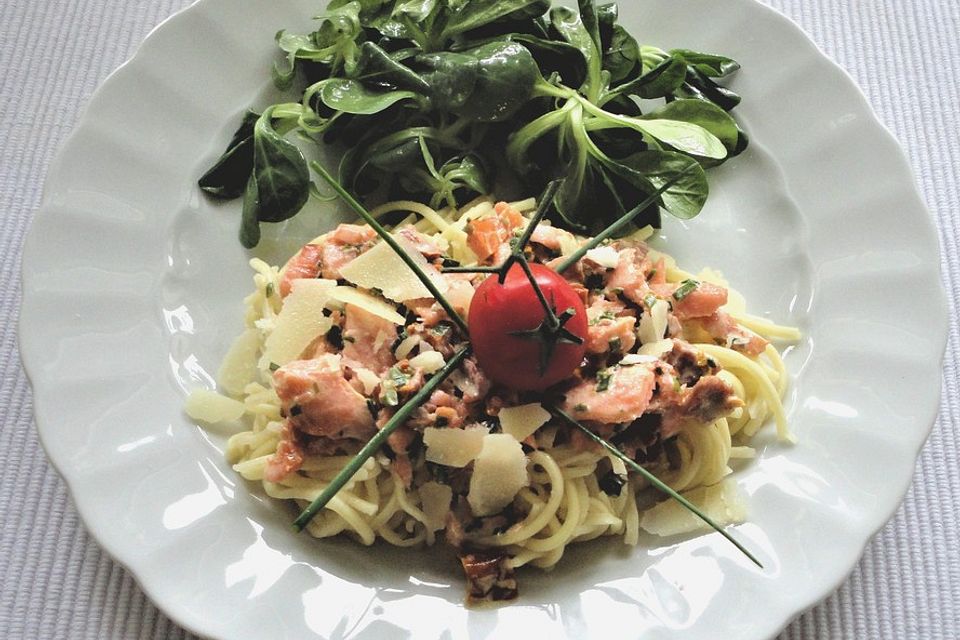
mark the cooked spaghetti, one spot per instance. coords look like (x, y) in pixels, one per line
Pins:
(677, 375)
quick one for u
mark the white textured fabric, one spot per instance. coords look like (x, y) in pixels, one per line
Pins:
(55, 582)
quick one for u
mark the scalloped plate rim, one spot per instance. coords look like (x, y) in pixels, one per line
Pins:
(31, 358)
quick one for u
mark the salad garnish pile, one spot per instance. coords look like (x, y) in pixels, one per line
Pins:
(436, 99)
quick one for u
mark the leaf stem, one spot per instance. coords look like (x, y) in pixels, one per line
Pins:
(392, 242)
(656, 482)
(378, 440)
(621, 222)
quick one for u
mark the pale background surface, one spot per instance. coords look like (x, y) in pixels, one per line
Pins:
(55, 582)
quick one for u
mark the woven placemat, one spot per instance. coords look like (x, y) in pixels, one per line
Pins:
(55, 582)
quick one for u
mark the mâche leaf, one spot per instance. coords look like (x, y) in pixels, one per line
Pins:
(436, 100)
(282, 175)
(227, 178)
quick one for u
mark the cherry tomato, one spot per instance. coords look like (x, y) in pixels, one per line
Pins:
(509, 335)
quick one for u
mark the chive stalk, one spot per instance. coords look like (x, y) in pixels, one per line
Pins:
(478, 269)
(656, 482)
(378, 440)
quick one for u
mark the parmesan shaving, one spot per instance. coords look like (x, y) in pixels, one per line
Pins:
(300, 322)
(367, 302)
(654, 324)
(617, 465)
(521, 422)
(429, 361)
(211, 407)
(406, 346)
(632, 359)
(381, 268)
(435, 499)
(721, 502)
(499, 472)
(605, 256)
(655, 349)
(453, 447)
(368, 379)
(239, 367)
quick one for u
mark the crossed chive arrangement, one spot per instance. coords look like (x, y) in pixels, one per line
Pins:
(517, 256)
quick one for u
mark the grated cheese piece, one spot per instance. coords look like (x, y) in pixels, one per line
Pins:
(381, 268)
(654, 324)
(721, 502)
(655, 349)
(300, 322)
(435, 500)
(406, 346)
(499, 472)
(429, 361)
(605, 256)
(522, 421)
(340, 296)
(453, 447)
(367, 378)
(211, 407)
(239, 366)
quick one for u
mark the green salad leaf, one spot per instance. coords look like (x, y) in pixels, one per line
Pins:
(434, 99)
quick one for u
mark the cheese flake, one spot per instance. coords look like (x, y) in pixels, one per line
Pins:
(453, 447)
(300, 321)
(211, 407)
(521, 422)
(499, 472)
(721, 502)
(381, 268)
(349, 295)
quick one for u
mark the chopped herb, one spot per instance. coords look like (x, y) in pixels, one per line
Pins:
(653, 272)
(388, 394)
(268, 291)
(349, 339)
(650, 300)
(398, 377)
(441, 329)
(606, 315)
(676, 385)
(615, 345)
(274, 366)
(580, 407)
(686, 288)
(593, 281)
(603, 379)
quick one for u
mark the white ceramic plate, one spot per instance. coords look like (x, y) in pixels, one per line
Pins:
(132, 290)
